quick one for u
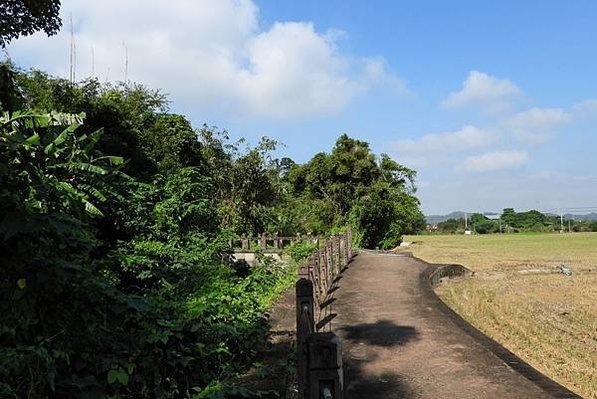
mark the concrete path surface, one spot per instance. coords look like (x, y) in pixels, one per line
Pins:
(399, 343)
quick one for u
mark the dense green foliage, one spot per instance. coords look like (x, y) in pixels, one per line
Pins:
(116, 278)
(352, 186)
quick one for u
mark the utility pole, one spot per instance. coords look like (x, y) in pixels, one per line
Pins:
(561, 221)
(465, 221)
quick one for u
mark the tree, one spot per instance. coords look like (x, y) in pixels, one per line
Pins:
(451, 226)
(9, 98)
(25, 17)
(124, 112)
(171, 143)
(509, 217)
(243, 179)
(486, 226)
(352, 185)
(526, 221)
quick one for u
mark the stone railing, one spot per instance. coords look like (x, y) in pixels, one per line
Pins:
(269, 242)
(319, 353)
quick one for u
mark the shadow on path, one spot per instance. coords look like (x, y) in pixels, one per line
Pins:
(381, 333)
(359, 356)
(385, 385)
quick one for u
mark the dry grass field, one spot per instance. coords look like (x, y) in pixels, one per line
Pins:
(517, 297)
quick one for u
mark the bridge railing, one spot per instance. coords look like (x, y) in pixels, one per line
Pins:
(270, 242)
(319, 353)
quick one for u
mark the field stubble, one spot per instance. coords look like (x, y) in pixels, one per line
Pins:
(517, 297)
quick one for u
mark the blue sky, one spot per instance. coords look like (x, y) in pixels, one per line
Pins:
(493, 103)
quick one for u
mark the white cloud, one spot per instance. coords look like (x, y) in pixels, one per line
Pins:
(466, 138)
(496, 161)
(586, 105)
(585, 109)
(211, 53)
(534, 125)
(488, 92)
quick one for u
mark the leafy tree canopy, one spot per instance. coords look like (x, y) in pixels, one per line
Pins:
(25, 17)
(375, 194)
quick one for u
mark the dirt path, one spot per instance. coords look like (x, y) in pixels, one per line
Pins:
(399, 343)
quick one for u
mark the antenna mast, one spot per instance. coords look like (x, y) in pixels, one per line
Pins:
(70, 71)
(73, 51)
(126, 63)
(92, 62)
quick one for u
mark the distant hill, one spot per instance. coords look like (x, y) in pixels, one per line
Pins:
(435, 219)
(588, 216)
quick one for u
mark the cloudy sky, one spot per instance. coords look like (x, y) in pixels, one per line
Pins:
(493, 103)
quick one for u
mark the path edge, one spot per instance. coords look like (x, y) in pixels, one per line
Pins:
(432, 276)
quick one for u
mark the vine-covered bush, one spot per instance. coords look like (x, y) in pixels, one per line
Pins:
(301, 250)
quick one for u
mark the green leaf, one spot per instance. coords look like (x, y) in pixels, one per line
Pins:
(112, 376)
(93, 192)
(92, 210)
(112, 159)
(22, 283)
(34, 139)
(50, 149)
(94, 138)
(62, 136)
(123, 376)
(119, 375)
(83, 166)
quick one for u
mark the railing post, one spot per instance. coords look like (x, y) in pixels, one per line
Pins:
(326, 267)
(349, 242)
(326, 379)
(305, 326)
(330, 252)
(321, 262)
(316, 280)
(244, 243)
(276, 241)
(263, 241)
(338, 254)
(343, 250)
(332, 258)
(346, 256)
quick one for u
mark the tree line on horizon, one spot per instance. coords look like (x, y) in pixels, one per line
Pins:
(511, 221)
